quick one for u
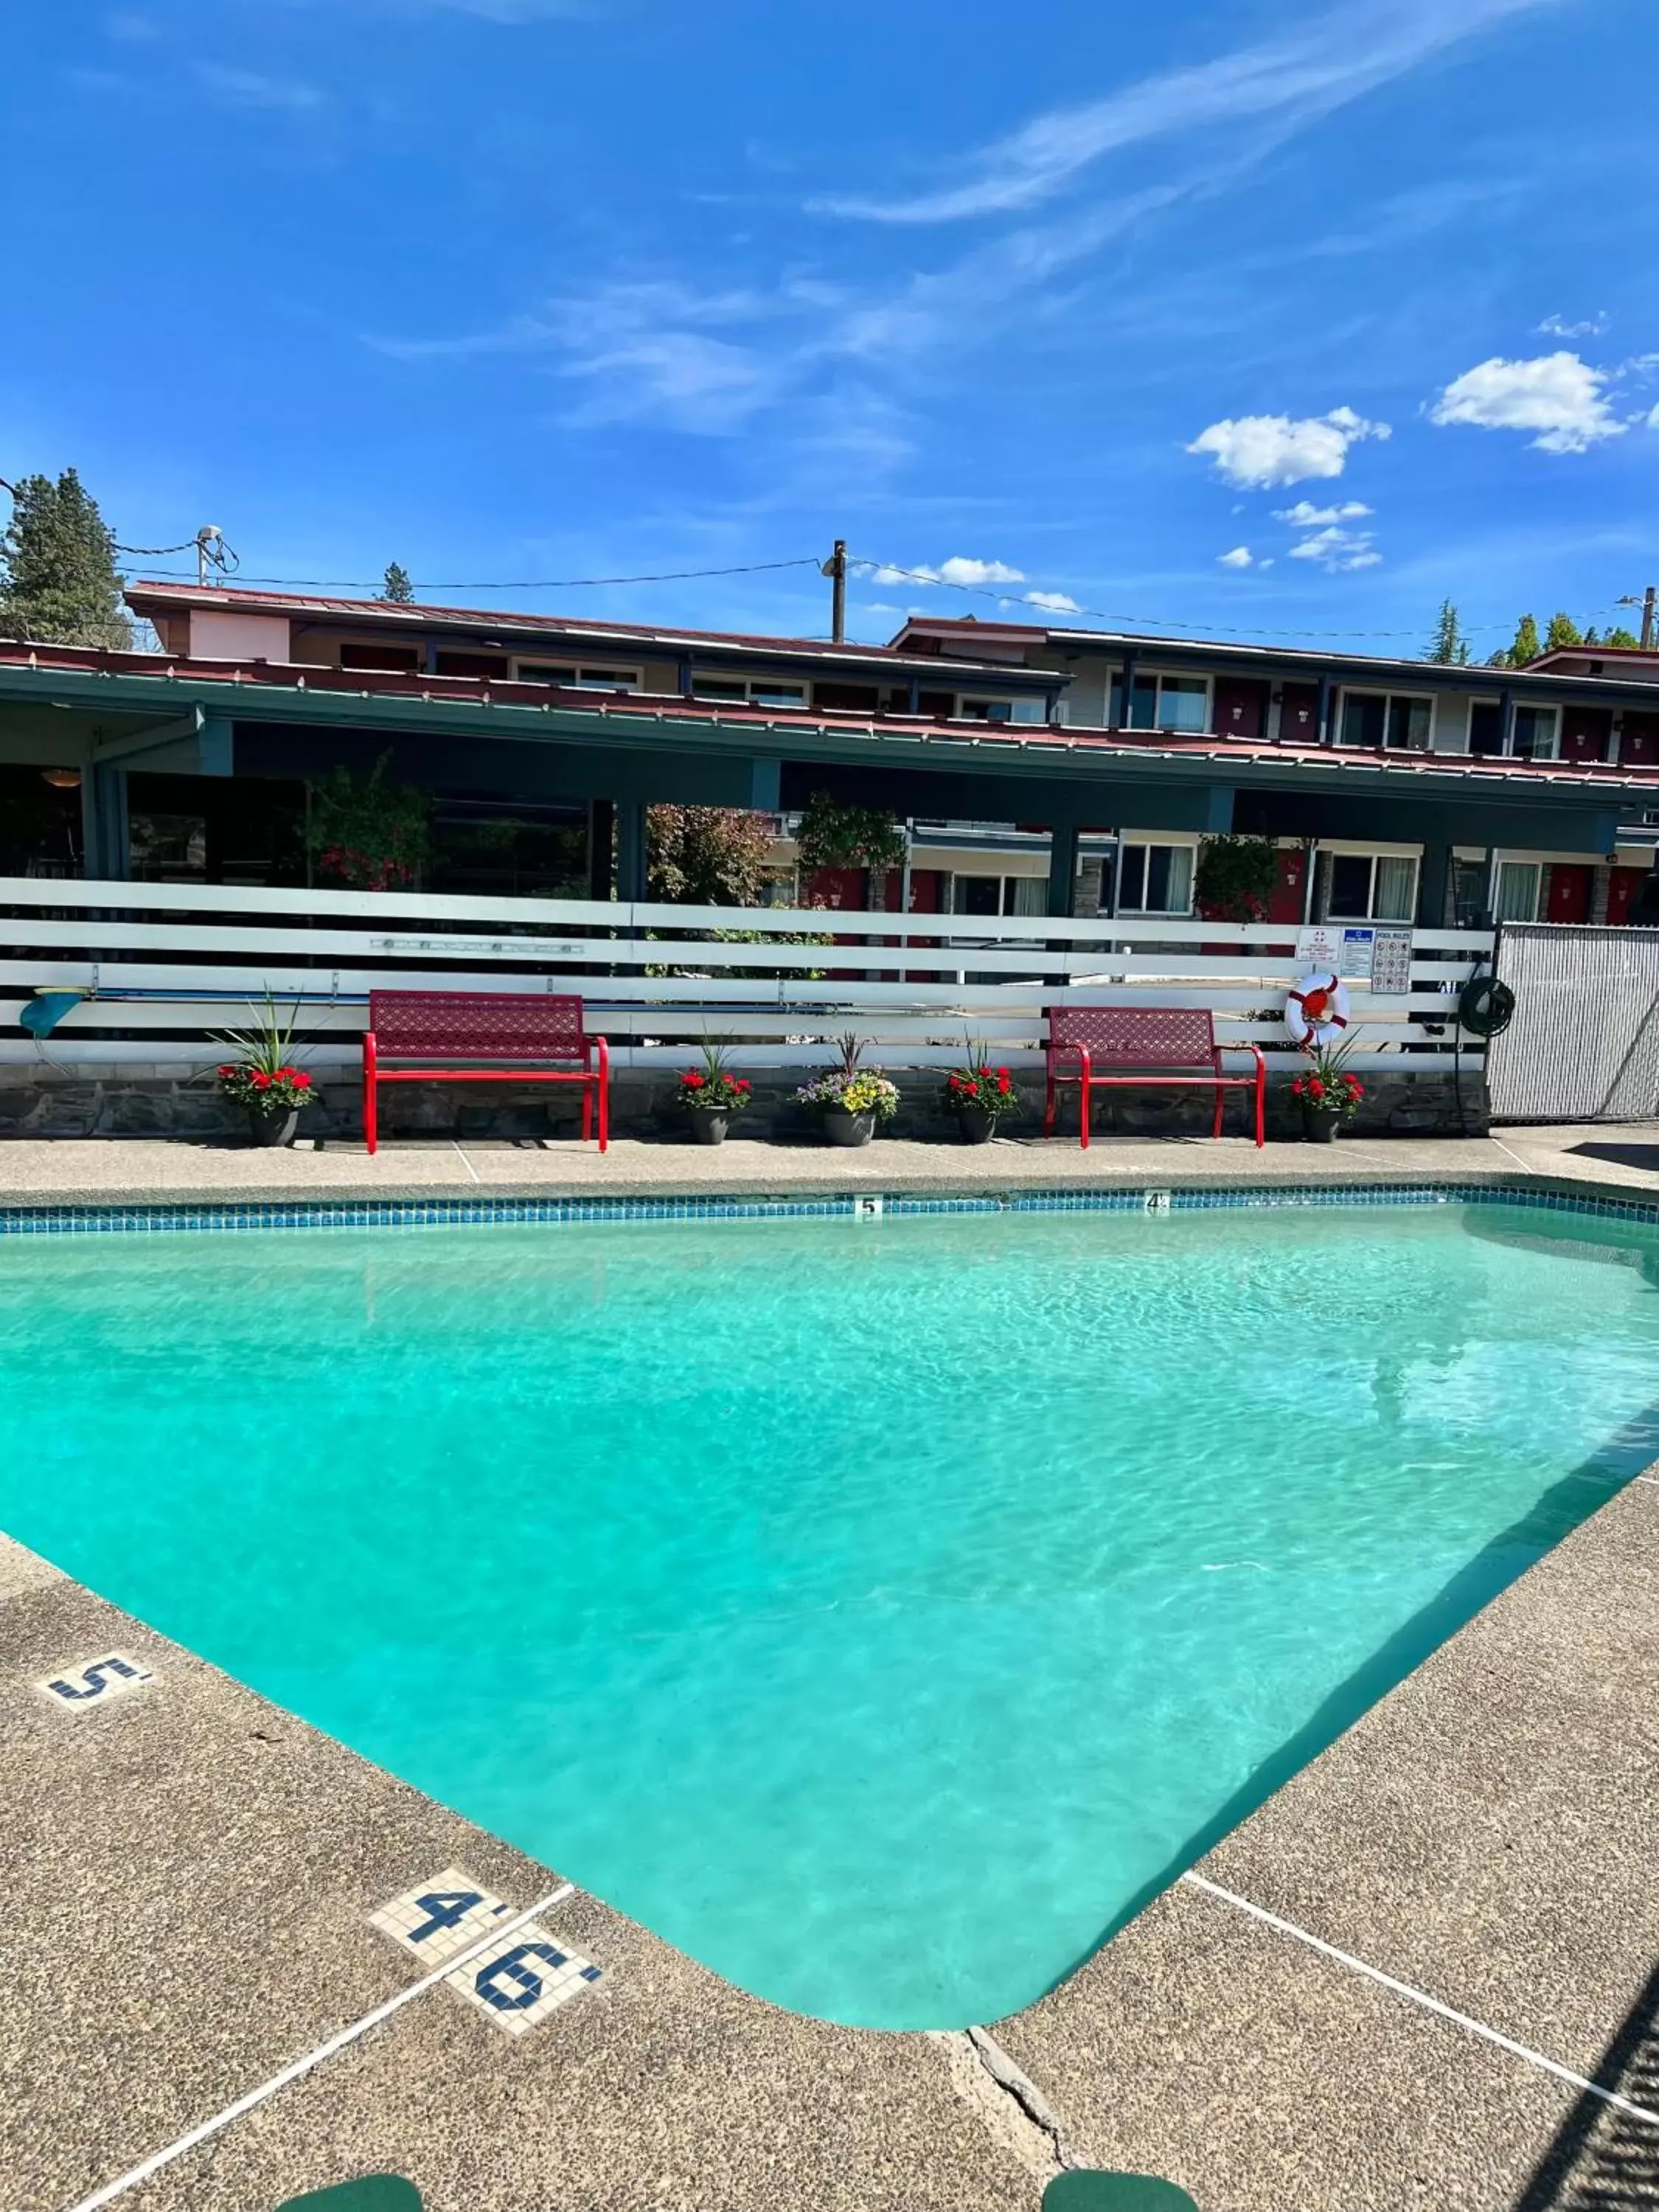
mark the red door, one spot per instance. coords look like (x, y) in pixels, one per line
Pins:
(1569, 895)
(1241, 709)
(1298, 716)
(1638, 747)
(1289, 899)
(1623, 885)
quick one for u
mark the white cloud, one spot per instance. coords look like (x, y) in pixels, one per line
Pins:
(241, 88)
(1558, 395)
(957, 570)
(1338, 550)
(1653, 419)
(1304, 515)
(1279, 85)
(1054, 603)
(1255, 451)
(1555, 327)
(1240, 557)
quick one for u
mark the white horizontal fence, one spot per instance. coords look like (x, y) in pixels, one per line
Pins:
(168, 966)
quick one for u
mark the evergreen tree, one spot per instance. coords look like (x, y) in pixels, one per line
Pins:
(1623, 640)
(1525, 646)
(1562, 631)
(58, 580)
(398, 587)
(1448, 646)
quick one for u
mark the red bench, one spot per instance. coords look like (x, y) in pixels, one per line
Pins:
(428, 1027)
(1163, 1045)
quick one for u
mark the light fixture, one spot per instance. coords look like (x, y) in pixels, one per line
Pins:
(62, 779)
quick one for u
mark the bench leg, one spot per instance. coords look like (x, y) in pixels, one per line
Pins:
(588, 1109)
(1048, 1107)
(1083, 1112)
(371, 1117)
(1220, 1104)
(1261, 1108)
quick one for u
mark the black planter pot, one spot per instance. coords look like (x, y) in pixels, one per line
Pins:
(1320, 1124)
(841, 1127)
(974, 1127)
(708, 1124)
(271, 1128)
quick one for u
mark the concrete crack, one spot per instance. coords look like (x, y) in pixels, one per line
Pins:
(1014, 2110)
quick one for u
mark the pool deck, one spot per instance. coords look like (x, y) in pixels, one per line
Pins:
(190, 1874)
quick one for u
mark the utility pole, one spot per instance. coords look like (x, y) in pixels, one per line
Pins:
(1648, 598)
(207, 538)
(836, 569)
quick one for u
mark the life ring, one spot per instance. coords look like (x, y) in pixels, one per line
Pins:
(1316, 1011)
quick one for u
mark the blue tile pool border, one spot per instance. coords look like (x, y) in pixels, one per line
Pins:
(253, 1215)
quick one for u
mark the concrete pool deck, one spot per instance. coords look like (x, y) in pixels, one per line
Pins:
(190, 1874)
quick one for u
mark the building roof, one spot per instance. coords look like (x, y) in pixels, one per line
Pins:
(157, 597)
(291, 692)
(1149, 647)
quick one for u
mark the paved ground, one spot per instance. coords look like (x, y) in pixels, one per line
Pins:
(106, 1168)
(189, 1873)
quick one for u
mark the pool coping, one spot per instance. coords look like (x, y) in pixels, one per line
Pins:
(1198, 2044)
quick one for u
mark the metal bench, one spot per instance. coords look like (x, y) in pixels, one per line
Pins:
(499, 1027)
(1172, 1046)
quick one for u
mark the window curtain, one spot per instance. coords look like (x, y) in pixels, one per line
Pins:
(1395, 890)
(1517, 890)
(1030, 894)
(1180, 897)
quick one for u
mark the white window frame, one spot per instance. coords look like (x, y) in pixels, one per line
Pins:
(1152, 841)
(1507, 752)
(746, 687)
(1005, 895)
(975, 707)
(1157, 677)
(1537, 863)
(1346, 691)
(1338, 849)
(583, 678)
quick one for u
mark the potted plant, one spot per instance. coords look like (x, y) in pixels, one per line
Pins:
(1327, 1093)
(849, 1100)
(711, 1095)
(263, 1080)
(979, 1096)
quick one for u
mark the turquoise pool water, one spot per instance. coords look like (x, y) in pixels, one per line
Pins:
(881, 1613)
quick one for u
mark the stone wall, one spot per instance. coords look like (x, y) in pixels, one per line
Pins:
(45, 1103)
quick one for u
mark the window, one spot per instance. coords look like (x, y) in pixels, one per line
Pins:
(1002, 710)
(1402, 721)
(395, 660)
(999, 895)
(1519, 882)
(1155, 880)
(1535, 738)
(570, 678)
(751, 690)
(1163, 702)
(1371, 887)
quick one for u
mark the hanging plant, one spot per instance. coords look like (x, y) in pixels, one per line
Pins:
(1235, 878)
(831, 835)
(366, 833)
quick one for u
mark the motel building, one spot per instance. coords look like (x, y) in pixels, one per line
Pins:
(1038, 770)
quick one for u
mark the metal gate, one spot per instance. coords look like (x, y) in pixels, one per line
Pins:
(1584, 1043)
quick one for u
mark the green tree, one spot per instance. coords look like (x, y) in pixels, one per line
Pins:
(1449, 645)
(58, 580)
(1525, 646)
(1235, 878)
(706, 855)
(398, 587)
(366, 832)
(1562, 631)
(1622, 639)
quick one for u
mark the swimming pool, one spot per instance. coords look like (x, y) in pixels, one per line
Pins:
(881, 1612)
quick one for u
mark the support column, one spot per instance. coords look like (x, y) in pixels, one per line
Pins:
(630, 849)
(1062, 869)
(601, 836)
(1432, 873)
(104, 832)
(1323, 717)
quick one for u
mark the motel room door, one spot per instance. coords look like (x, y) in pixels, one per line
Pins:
(1569, 896)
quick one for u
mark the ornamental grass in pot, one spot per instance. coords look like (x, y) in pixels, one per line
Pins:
(710, 1094)
(849, 1100)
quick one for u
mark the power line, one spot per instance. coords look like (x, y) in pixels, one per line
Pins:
(530, 583)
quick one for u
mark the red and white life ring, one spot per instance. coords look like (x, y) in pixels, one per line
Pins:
(1316, 1011)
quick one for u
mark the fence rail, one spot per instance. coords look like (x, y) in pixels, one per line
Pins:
(167, 966)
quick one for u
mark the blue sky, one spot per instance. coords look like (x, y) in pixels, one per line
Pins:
(1074, 301)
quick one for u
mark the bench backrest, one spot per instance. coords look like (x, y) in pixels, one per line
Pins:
(1136, 1036)
(475, 1026)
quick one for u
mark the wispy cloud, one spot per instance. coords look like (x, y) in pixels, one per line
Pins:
(1304, 515)
(1053, 603)
(1338, 550)
(1556, 327)
(1240, 557)
(242, 87)
(1277, 85)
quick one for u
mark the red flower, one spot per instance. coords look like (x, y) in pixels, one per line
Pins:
(1003, 1082)
(1315, 1088)
(227, 1071)
(260, 1079)
(299, 1080)
(1296, 1088)
(691, 1080)
(743, 1083)
(972, 1090)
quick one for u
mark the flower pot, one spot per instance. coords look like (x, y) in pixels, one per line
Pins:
(1320, 1124)
(708, 1124)
(275, 1128)
(841, 1127)
(974, 1127)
